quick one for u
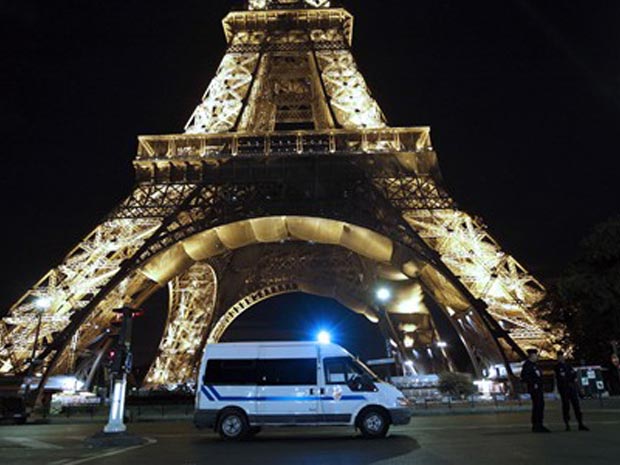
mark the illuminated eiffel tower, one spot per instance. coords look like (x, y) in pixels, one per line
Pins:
(287, 179)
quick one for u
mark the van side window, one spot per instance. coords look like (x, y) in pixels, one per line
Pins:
(230, 372)
(287, 372)
(345, 370)
(337, 370)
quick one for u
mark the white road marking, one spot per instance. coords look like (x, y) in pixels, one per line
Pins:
(31, 443)
(110, 453)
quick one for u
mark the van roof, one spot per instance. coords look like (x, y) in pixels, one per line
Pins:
(245, 349)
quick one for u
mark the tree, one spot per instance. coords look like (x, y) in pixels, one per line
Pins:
(587, 296)
(456, 384)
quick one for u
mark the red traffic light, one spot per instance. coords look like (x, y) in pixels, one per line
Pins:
(133, 312)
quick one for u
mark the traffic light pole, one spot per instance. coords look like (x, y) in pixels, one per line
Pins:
(115, 431)
(121, 365)
(116, 422)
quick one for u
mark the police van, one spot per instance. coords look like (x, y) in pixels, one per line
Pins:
(245, 386)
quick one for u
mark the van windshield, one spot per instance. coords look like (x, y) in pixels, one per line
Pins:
(362, 366)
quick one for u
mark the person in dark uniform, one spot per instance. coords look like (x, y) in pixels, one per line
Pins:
(532, 376)
(566, 381)
(613, 375)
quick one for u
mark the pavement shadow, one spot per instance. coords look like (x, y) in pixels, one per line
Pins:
(313, 449)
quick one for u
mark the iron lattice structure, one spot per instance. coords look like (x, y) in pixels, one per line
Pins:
(287, 178)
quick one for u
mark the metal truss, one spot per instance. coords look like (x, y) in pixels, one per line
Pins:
(68, 288)
(223, 101)
(153, 201)
(291, 93)
(192, 302)
(349, 95)
(489, 273)
(411, 193)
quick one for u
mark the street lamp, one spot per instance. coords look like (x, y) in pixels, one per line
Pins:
(41, 305)
(383, 294)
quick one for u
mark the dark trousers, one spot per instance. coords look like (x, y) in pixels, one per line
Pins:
(538, 407)
(570, 396)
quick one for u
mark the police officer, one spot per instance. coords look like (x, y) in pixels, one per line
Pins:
(566, 381)
(532, 376)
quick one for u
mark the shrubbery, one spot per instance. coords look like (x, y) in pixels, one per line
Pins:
(456, 385)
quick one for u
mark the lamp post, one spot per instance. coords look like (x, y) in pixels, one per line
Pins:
(384, 295)
(41, 305)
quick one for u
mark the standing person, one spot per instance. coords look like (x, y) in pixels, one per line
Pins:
(613, 375)
(532, 376)
(566, 381)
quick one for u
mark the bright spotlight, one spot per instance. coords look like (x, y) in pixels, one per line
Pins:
(324, 337)
(43, 303)
(442, 344)
(383, 294)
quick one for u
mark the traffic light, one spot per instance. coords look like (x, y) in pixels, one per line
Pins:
(109, 358)
(119, 360)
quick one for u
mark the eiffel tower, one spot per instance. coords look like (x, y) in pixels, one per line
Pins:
(287, 179)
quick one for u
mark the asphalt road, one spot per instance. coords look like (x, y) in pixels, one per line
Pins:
(441, 440)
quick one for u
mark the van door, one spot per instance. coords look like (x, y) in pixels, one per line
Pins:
(346, 389)
(287, 385)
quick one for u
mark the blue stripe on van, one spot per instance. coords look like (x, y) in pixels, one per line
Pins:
(206, 393)
(273, 398)
(352, 398)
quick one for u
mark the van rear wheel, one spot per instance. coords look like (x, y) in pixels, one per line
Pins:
(233, 425)
(373, 423)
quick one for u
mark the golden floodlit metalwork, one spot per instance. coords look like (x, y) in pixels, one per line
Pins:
(287, 178)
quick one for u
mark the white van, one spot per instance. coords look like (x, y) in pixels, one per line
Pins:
(244, 386)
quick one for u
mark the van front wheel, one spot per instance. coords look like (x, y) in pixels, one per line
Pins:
(233, 425)
(373, 423)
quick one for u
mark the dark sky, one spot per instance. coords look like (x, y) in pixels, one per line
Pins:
(523, 97)
(300, 317)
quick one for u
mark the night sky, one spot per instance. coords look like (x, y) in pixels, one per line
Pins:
(523, 97)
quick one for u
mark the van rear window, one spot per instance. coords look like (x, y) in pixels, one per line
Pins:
(287, 372)
(267, 372)
(230, 372)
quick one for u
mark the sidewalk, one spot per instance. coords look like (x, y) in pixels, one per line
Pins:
(159, 413)
(509, 406)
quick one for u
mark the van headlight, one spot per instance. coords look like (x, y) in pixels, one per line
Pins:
(403, 402)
